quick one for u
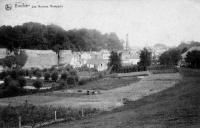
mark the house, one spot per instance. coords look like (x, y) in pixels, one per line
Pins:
(129, 57)
(99, 64)
(183, 56)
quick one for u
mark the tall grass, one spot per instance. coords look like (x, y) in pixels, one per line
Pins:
(33, 115)
(188, 72)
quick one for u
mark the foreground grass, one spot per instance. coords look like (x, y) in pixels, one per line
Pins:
(176, 107)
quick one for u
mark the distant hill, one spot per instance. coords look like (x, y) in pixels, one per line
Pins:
(38, 36)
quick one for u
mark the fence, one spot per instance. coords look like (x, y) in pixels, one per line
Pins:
(156, 69)
(31, 116)
(189, 72)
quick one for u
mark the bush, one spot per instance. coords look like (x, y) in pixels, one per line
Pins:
(13, 88)
(22, 81)
(64, 76)
(7, 81)
(3, 75)
(72, 79)
(38, 74)
(37, 84)
(54, 76)
(47, 75)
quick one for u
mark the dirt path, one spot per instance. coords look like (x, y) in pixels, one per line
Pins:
(113, 98)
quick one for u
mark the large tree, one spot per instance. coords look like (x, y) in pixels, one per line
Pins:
(145, 57)
(115, 61)
(38, 36)
(170, 57)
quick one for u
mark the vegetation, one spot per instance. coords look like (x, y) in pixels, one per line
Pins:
(170, 57)
(38, 36)
(193, 59)
(17, 60)
(32, 115)
(145, 57)
(114, 61)
(37, 84)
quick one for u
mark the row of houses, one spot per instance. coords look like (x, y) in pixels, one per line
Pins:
(92, 59)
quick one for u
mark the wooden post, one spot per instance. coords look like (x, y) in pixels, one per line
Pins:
(20, 120)
(55, 115)
(82, 112)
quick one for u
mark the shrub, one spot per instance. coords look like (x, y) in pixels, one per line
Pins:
(47, 75)
(72, 79)
(22, 81)
(38, 74)
(7, 81)
(37, 84)
(54, 76)
(3, 75)
(64, 76)
(13, 89)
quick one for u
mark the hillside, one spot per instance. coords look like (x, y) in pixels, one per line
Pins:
(176, 107)
(38, 36)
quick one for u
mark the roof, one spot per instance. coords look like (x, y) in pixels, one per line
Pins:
(189, 50)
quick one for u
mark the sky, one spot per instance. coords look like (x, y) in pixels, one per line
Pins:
(147, 22)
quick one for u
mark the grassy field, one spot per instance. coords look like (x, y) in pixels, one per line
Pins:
(175, 107)
(108, 83)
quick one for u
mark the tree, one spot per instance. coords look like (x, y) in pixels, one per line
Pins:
(54, 76)
(22, 81)
(193, 59)
(170, 57)
(21, 59)
(37, 84)
(47, 75)
(145, 57)
(115, 61)
(64, 75)
(9, 61)
(15, 61)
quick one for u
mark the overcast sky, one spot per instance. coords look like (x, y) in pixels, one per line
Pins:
(146, 21)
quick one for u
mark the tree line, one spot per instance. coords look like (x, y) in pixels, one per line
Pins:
(38, 36)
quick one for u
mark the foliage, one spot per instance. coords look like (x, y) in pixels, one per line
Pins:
(17, 60)
(64, 76)
(37, 84)
(47, 75)
(115, 61)
(54, 76)
(193, 59)
(72, 79)
(9, 61)
(170, 57)
(32, 115)
(22, 81)
(38, 36)
(145, 57)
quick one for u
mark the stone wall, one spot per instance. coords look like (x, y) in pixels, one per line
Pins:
(3, 52)
(41, 59)
(65, 57)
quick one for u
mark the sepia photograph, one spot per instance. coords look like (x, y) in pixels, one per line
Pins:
(99, 63)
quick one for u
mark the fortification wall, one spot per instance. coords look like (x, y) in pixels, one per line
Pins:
(40, 58)
(65, 57)
(3, 52)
